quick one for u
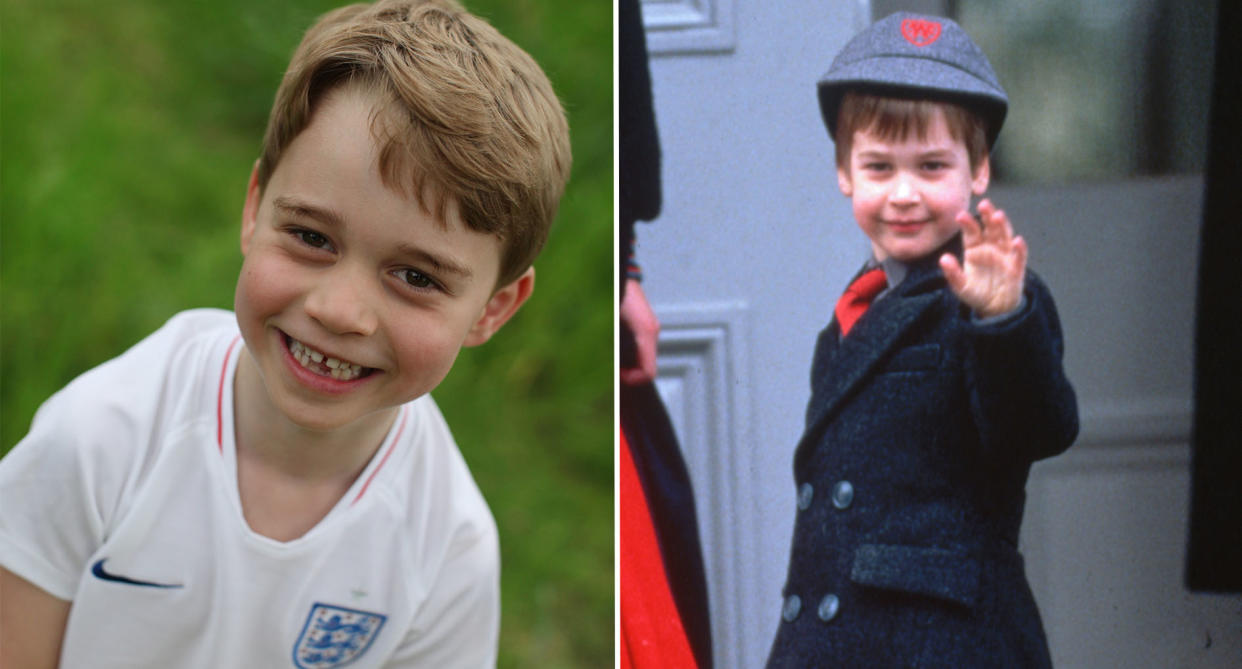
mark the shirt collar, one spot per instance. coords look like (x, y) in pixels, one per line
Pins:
(895, 271)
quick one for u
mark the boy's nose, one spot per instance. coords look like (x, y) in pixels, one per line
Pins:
(903, 191)
(341, 306)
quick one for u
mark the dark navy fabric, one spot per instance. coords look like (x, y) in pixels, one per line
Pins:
(638, 144)
(933, 422)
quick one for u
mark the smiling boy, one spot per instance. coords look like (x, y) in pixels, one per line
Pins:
(934, 387)
(275, 487)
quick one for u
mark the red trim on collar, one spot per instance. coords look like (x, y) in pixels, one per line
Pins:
(224, 369)
(383, 459)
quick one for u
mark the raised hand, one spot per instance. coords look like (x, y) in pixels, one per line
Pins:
(990, 279)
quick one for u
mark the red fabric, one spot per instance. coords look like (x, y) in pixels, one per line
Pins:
(858, 297)
(652, 635)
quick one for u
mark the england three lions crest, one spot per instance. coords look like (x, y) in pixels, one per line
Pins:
(334, 636)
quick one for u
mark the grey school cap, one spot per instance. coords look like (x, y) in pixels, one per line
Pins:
(911, 55)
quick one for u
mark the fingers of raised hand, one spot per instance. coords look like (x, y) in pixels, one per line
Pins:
(971, 232)
(1020, 254)
(996, 227)
(953, 272)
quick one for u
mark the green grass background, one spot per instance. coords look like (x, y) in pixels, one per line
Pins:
(127, 132)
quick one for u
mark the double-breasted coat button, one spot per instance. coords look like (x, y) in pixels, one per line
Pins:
(793, 605)
(843, 494)
(828, 607)
(805, 494)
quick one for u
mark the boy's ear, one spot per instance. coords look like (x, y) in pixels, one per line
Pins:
(844, 182)
(983, 173)
(504, 303)
(250, 210)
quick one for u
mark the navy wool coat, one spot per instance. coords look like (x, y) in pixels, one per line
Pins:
(910, 480)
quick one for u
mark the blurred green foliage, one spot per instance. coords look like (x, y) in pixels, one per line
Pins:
(129, 129)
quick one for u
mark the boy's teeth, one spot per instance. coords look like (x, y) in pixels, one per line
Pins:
(312, 359)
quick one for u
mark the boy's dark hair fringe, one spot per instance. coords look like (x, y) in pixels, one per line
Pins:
(897, 118)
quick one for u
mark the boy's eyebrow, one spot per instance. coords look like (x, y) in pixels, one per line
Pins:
(869, 154)
(298, 208)
(876, 154)
(440, 264)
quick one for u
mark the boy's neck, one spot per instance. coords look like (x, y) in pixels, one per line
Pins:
(896, 271)
(289, 477)
(952, 245)
(262, 431)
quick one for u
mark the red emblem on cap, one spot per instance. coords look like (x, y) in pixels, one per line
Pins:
(920, 32)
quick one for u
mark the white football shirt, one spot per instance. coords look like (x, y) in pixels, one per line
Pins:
(123, 498)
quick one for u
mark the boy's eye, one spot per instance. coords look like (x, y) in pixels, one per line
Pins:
(311, 238)
(933, 165)
(417, 279)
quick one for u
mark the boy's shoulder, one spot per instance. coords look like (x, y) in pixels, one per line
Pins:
(429, 472)
(165, 358)
(97, 439)
(167, 372)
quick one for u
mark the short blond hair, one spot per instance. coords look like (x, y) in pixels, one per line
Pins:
(467, 115)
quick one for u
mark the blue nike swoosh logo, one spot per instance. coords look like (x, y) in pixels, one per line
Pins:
(98, 571)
